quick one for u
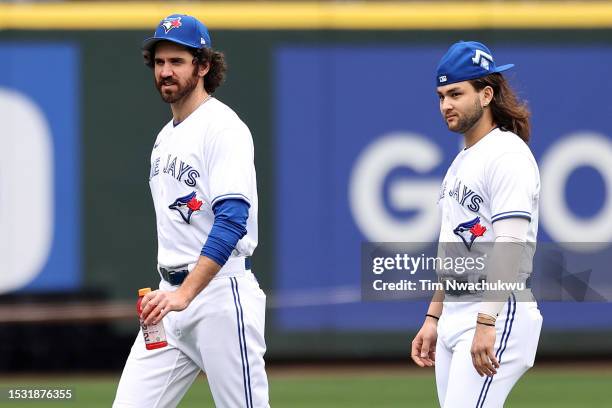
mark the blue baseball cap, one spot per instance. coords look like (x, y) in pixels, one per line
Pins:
(181, 29)
(466, 60)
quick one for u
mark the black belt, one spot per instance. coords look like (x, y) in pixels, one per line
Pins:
(460, 292)
(176, 276)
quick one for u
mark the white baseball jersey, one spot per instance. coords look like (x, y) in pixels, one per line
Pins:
(204, 159)
(494, 179)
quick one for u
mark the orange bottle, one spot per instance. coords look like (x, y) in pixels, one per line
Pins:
(154, 334)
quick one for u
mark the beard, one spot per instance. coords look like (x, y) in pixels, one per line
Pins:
(466, 122)
(182, 90)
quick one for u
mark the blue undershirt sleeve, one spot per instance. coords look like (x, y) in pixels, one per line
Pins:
(229, 227)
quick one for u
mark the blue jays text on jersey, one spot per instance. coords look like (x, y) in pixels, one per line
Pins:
(182, 172)
(464, 195)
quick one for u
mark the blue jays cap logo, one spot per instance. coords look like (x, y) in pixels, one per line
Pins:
(170, 23)
(469, 231)
(186, 206)
(190, 32)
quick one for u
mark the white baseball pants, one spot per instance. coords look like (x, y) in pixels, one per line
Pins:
(220, 333)
(459, 385)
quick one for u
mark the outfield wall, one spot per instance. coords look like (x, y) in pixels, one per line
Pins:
(321, 95)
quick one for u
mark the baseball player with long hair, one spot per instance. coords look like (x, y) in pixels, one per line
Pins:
(203, 184)
(481, 344)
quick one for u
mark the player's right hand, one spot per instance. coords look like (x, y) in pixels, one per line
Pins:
(423, 351)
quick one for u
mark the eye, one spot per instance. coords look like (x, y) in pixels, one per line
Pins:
(456, 94)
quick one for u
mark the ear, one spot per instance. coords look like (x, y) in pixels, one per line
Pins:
(486, 96)
(203, 70)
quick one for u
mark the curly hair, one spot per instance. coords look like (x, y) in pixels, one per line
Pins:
(218, 66)
(509, 113)
(202, 56)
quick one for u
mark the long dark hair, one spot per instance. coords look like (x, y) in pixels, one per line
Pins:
(509, 112)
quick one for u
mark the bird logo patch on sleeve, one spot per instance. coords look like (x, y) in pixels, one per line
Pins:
(186, 206)
(469, 231)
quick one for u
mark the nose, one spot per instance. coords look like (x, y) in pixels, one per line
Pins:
(165, 71)
(445, 105)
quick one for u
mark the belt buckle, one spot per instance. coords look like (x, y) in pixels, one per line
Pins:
(175, 276)
(178, 277)
(171, 277)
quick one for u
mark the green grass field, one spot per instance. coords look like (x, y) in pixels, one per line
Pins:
(554, 388)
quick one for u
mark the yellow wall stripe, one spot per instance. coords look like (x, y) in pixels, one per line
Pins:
(311, 15)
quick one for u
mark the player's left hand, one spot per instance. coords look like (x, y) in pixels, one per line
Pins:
(157, 304)
(483, 358)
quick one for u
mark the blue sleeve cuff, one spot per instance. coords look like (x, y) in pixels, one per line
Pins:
(229, 227)
(511, 214)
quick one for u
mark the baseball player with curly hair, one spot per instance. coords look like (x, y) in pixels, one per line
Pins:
(203, 184)
(482, 344)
